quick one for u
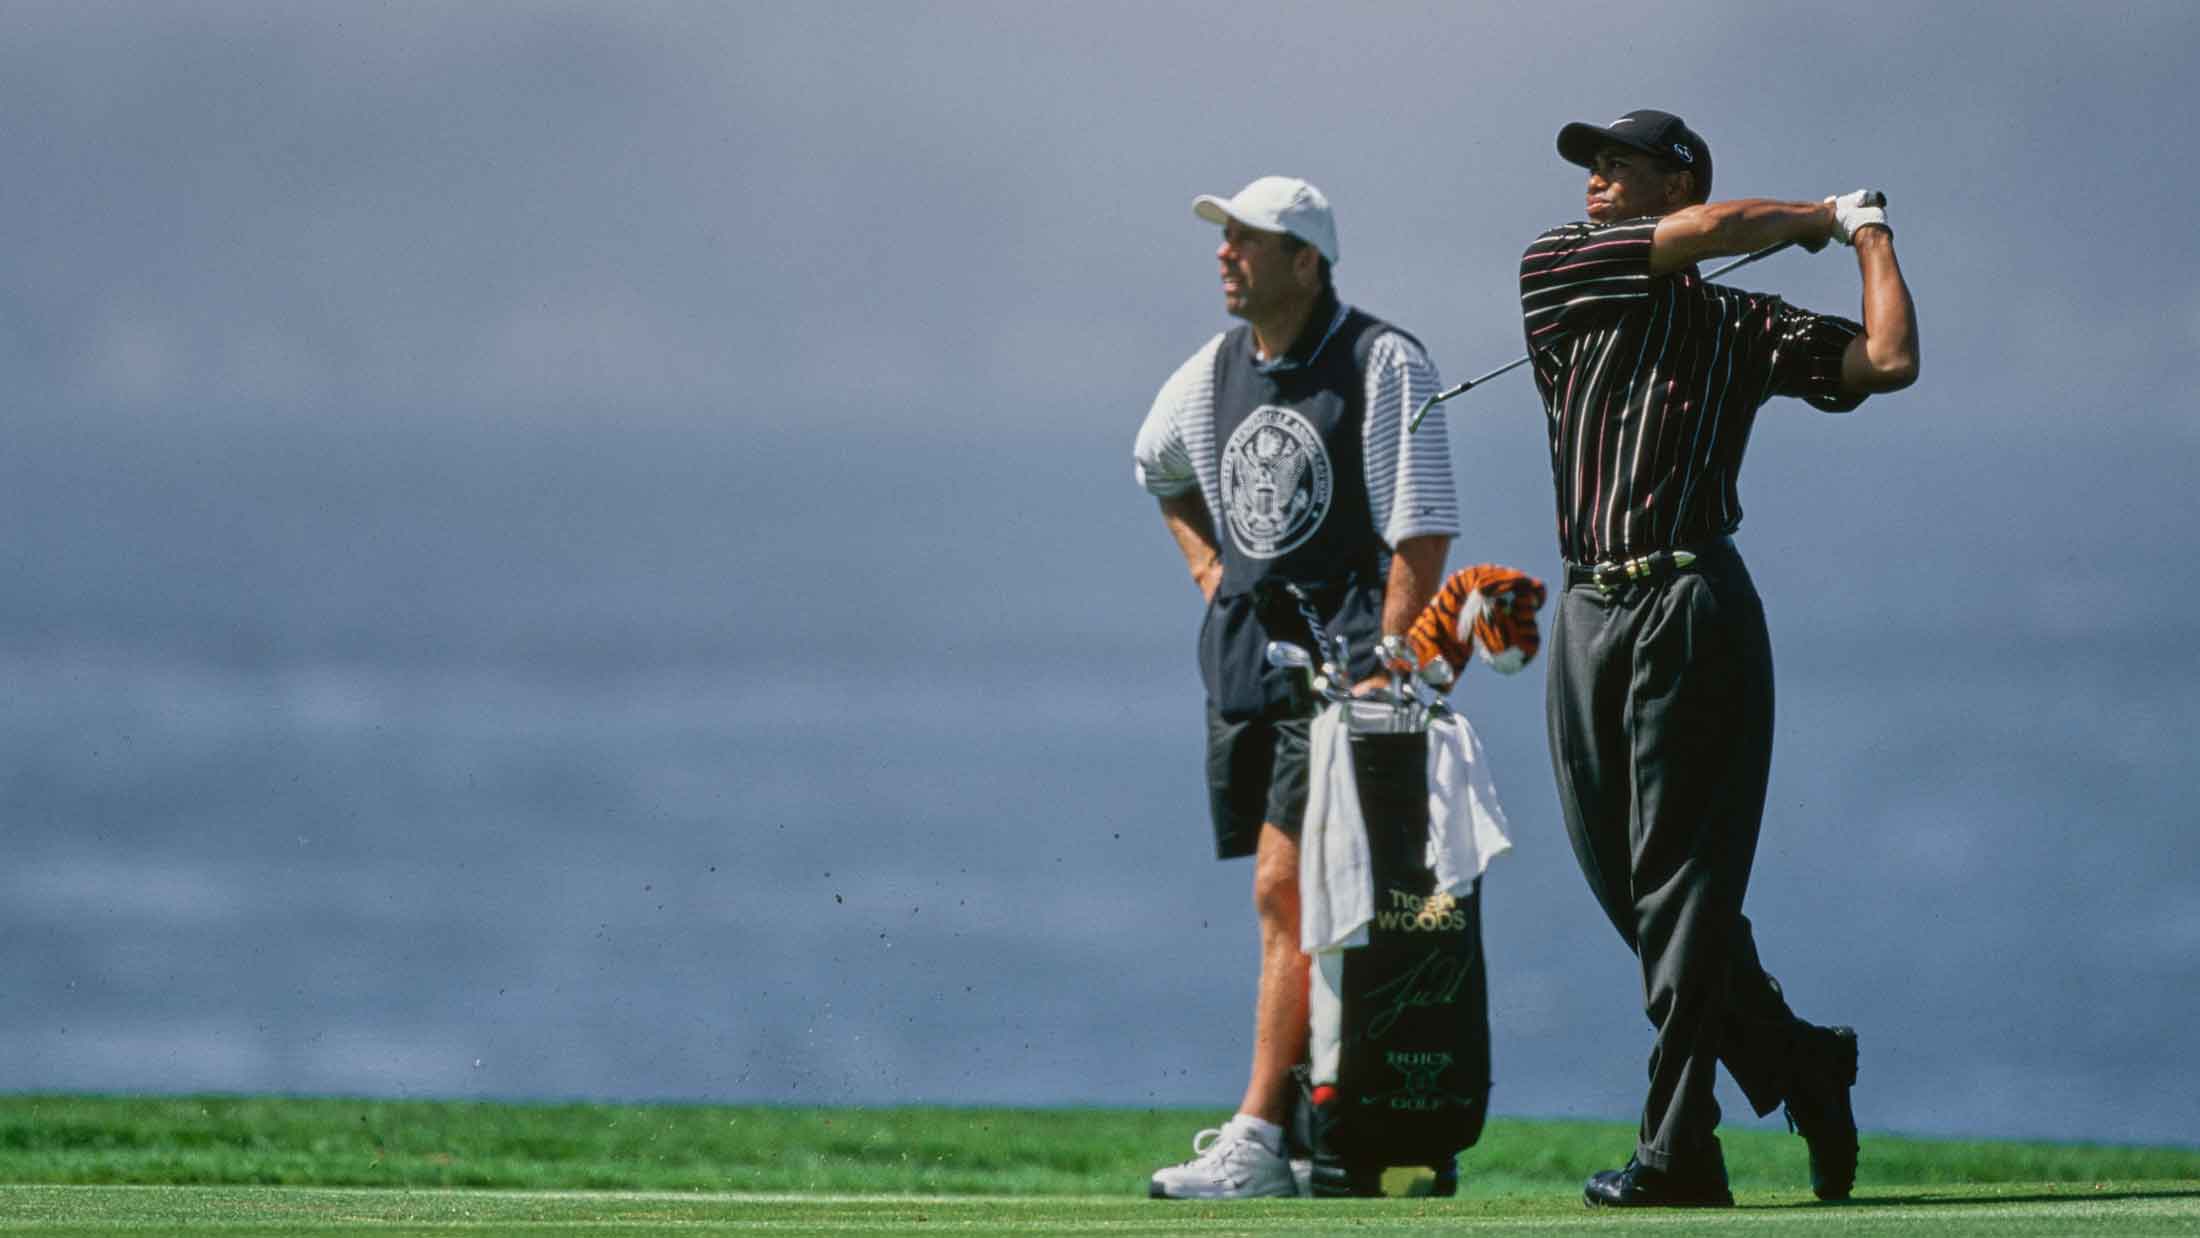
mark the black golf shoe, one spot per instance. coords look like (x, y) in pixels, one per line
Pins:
(1639, 1186)
(1818, 1108)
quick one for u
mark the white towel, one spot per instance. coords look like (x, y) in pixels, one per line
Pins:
(1336, 885)
(1466, 824)
(1336, 877)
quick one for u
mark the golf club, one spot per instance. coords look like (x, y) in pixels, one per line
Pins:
(1286, 654)
(1397, 658)
(1439, 675)
(1436, 678)
(1472, 383)
(1325, 645)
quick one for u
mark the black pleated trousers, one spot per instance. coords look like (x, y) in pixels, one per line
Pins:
(1660, 714)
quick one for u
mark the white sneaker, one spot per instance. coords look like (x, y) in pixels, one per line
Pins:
(1229, 1165)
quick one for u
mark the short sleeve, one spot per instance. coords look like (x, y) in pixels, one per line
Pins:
(1408, 472)
(1161, 459)
(1580, 275)
(1806, 357)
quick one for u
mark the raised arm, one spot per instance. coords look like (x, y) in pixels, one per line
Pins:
(1884, 356)
(1741, 226)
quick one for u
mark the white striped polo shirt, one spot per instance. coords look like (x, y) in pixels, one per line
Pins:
(1409, 483)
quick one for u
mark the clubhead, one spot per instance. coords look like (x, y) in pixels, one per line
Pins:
(1284, 653)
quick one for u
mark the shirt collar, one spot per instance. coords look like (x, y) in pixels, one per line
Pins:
(1328, 315)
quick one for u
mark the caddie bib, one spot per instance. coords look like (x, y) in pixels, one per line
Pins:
(1292, 508)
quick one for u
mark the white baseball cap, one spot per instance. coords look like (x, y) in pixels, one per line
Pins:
(1277, 204)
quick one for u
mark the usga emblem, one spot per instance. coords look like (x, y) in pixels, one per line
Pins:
(1277, 482)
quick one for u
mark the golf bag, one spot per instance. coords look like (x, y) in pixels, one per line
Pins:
(1399, 1054)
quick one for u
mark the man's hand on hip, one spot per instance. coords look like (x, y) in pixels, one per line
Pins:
(1209, 579)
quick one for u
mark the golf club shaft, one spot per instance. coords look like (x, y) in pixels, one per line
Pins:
(1472, 383)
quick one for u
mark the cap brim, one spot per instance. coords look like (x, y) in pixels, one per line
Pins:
(1578, 143)
(1213, 209)
(1218, 211)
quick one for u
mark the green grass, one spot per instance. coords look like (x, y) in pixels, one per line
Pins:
(2120, 1209)
(223, 1165)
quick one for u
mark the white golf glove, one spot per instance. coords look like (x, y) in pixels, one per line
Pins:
(1860, 209)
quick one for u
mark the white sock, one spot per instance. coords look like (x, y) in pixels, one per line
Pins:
(1266, 1133)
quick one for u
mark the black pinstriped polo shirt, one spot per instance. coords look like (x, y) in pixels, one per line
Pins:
(1651, 384)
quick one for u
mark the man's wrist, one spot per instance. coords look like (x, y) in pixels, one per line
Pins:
(1854, 213)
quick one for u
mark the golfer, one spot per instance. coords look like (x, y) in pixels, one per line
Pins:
(1277, 455)
(1660, 689)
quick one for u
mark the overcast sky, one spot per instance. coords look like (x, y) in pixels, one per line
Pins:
(836, 261)
(662, 311)
(849, 210)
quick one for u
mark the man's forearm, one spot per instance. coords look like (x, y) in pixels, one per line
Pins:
(1885, 356)
(1742, 226)
(1416, 572)
(1194, 530)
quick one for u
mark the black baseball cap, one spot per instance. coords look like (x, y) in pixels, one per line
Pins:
(1646, 129)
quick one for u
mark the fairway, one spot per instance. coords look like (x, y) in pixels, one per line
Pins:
(102, 1165)
(2011, 1208)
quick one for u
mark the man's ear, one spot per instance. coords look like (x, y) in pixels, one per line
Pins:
(1680, 189)
(1306, 266)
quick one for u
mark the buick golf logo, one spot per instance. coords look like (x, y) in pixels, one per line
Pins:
(1276, 482)
(1423, 1087)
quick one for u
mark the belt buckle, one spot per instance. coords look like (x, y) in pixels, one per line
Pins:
(1610, 578)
